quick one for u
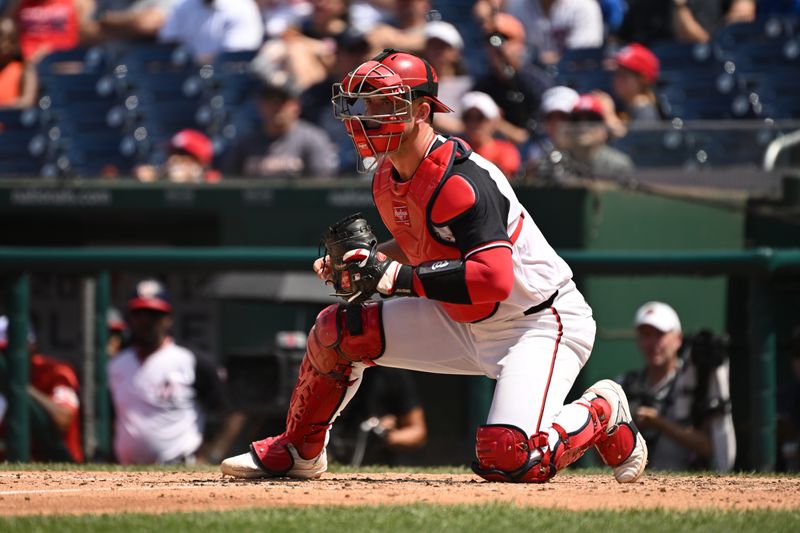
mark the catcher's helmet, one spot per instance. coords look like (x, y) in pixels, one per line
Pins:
(394, 79)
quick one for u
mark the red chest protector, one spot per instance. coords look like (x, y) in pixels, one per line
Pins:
(404, 208)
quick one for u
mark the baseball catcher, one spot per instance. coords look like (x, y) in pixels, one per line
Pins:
(469, 286)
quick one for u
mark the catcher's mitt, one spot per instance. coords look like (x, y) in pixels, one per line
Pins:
(354, 280)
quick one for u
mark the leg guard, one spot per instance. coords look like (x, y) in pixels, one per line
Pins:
(505, 453)
(341, 336)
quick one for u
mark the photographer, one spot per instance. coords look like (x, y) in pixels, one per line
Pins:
(681, 398)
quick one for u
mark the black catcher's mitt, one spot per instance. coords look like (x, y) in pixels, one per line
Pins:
(357, 279)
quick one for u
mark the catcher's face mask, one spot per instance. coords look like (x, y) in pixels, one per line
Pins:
(374, 102)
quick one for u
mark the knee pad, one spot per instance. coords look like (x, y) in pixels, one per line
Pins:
(344, 334)
(505, 453)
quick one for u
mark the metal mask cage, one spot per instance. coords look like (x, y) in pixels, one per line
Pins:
(353, 105)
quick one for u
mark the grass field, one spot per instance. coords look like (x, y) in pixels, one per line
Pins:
(416, 518)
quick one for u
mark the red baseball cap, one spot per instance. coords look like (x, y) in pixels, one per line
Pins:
(589, 103)
(150, 294)
(639, 59)
(194, 143)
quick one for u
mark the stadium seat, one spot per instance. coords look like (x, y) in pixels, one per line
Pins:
(582, 59)
(770, 29)
(155, 58)
(689, 57)
(64, 90)
(741, 147)
(652, 148)
(98, 154)
(759, 57)
(19, 155)
(586, 81)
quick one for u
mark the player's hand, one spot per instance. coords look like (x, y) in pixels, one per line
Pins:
(322, 268)
(387, 269)
(646, 417)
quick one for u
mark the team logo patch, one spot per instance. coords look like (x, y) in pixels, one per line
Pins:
(400, 210)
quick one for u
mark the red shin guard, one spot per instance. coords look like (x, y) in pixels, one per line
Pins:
(336, 341)
(505, 453)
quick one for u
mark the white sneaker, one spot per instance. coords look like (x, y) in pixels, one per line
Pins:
(631, 468)
(245, 466)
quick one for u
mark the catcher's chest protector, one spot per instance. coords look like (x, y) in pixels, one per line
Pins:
(403, 205)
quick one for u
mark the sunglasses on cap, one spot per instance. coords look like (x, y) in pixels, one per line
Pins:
(496, 39)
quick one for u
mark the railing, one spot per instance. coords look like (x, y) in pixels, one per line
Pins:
(758, 265)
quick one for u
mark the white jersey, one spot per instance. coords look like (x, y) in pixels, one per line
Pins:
(207, 30)
(538, 270)
(158, 419)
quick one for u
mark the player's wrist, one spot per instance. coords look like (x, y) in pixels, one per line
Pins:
(398, 280)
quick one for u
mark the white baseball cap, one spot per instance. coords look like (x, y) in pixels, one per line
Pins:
(559, 98)
(659, 315)
(482, 102)
(444, 31)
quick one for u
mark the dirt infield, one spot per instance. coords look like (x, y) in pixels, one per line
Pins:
(44, 492)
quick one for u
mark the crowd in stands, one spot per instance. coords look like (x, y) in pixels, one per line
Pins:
(102, 87)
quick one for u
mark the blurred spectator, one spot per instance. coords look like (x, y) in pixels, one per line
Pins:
(117, 330)
(190, 153)
(635, 76)
(18, 82)
(681, 403)
(46, 26)
(443, 47)
(788, 437)
(327, 19)
(352, 49)
(208, 27)
(280, 15)
(284, 146)
(613, 13)
(55, 414)
(557, 105)
(552, 25)
(480, 115)
(689, 21)
(406, 28)
(162, 392)
(777, 7)
(512, 81)
(384, 419)
(139, 19)
(586, 142)
(569, 24)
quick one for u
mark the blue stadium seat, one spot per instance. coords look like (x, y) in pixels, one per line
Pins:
(154, 58)
(74, 61)
(582, 59)
(586, 81)
(165, 87)
(770, 29)
(758, 57)
(689, 57)
(19, 134)
(658, 148)
(98, 154)
(67, 89)
(740, 147)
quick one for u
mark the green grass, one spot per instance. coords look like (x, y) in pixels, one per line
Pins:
(417, 519)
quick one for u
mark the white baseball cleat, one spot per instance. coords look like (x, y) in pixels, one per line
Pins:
(625, 450)
(247, 466)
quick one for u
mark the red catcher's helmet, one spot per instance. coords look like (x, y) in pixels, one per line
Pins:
(374, 100)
